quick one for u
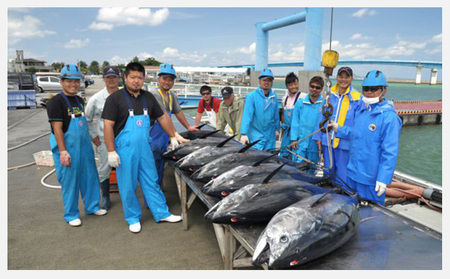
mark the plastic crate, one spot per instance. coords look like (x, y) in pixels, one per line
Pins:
(44, 158)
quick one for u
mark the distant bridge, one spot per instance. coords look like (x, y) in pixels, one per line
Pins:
(433, 65)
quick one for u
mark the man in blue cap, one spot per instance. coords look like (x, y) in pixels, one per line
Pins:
(71, 146)
(261, 117)
(94, 109)
(168, 101)
(373, 141)
(126, 115)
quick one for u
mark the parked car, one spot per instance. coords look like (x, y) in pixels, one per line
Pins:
(48, 83)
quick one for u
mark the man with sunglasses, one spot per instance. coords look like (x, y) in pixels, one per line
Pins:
(261, 117)
(289, 100)
(335, 149)
(208, 104)
(305, 118)
(373, 141)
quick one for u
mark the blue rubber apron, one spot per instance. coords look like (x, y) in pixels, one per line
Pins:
(137, 163)
(82, 175)
(286, 140)
(160, 140)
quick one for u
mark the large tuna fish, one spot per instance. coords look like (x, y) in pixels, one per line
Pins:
(206, 154)
(307, 230)
(220, 165)
(258, 203)
(192, 135)
(241, 176)
(187, 148)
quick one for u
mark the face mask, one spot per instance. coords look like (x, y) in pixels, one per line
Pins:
(371, 101)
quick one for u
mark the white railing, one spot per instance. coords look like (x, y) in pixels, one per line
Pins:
(186, 89)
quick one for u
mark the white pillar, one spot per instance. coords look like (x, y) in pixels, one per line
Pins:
(419, 74)
(433, 79)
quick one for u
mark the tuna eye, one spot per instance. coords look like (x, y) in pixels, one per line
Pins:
(283, 239)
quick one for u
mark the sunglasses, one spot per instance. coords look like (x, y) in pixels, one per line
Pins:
(203, 94)
(315, 87)
(372, 88)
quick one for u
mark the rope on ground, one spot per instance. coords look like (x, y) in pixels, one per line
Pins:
(21, 166)
(25, 143)
(29, 116)
(48, 185)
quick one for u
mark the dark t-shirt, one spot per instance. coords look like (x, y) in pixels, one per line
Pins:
(58, 110)
(116, 108)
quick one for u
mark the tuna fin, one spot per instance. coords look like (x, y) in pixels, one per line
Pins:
(318, 200)
(248, 146)
(201, 126)
(267, 179)
(225, 141)
(209, 134)
(261, 161)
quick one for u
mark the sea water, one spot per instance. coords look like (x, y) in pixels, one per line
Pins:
(420, 152)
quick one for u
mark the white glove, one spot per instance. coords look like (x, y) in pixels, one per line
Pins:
(333, 126)
(180, 139)
(244, 139)
(64, 157)
(113, 159)
(380, 188)
(173, 143)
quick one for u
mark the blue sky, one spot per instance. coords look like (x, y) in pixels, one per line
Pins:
(222, 36)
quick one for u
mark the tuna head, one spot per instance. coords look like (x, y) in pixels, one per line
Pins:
(307, 230)
(229, 209)
(281, 243)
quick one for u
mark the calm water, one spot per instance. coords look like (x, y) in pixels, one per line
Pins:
(420, 151)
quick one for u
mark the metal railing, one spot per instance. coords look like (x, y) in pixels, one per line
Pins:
(186, 89)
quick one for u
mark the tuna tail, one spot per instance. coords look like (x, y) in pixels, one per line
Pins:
(208, 134)
(261, 161)
(267, 179)
(248, 146)
(225, 141)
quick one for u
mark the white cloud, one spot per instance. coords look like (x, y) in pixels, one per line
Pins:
(247, 50)
(364, 12)
(169, 52)
(415, 45)
(101, 26)
(74, 43)
(108, 18)
(436, 39)
(26, 28)
(358, 36)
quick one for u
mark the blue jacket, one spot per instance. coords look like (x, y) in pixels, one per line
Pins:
(261, 118)
(374, 144)
(355, 104)
(305, 119)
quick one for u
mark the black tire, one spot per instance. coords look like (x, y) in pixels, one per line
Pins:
(41, 90)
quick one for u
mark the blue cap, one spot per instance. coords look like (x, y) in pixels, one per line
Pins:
(166, 69)
(374, 78)
(266, 72)
(71, 71)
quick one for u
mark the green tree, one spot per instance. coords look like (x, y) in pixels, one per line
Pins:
(150, 62)
(94, 67)
(57, 66)
(105, 64)
(32, 70)
(83, 66)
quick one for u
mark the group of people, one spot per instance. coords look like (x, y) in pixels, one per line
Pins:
(358, 141)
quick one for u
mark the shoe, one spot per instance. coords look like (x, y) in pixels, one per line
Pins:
(172, 219)
(100, 212)
(135, 228)
(75, 223)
